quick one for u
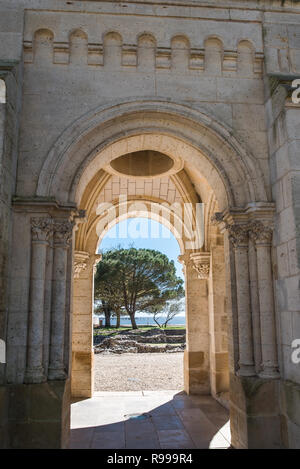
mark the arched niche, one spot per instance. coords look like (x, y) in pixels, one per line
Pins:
(78, 47)
(112, 49)
(43, 46)
(180, 55)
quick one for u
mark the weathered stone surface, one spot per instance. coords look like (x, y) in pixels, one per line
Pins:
(210, 89)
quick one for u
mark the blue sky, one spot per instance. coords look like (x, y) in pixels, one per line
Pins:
(143, 233)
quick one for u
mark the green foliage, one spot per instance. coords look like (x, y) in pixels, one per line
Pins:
(132, 280)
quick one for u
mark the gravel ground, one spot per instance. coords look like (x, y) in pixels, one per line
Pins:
(137, 372)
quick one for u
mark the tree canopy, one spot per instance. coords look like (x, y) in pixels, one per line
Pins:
(136, 280)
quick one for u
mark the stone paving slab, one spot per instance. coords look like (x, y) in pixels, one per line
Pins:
(149, 419)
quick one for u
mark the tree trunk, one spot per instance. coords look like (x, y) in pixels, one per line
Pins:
(133, 323)
(107, 314)
(118, 320)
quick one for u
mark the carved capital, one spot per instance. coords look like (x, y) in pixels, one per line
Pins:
(63, 230)
(80, 263)
(184, 259)
(96, 259)
(83, 261)
(260, 233)
(201, 264)
(41, 228)
(238, 235)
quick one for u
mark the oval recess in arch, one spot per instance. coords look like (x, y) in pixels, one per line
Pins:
(144, 164)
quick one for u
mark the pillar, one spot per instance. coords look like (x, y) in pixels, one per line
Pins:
(255, 419)
(82, 378)
(38, 398)
(196, 355)
(219, 363)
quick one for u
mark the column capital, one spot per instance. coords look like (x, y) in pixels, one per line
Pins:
(197, 260)
(96, 258)
(84, 260)
(184, 259)
(201, 264)
(41, 228)
(80, 262)
(238, 235)
(62, 230)
(261, 233)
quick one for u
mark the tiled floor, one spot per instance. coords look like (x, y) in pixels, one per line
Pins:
(149, 419)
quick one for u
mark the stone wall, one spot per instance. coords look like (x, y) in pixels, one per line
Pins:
(221, 63)
(212, 63)
(283, 123)
(10, 85)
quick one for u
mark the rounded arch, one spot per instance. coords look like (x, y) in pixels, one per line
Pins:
(43, 46)
(78, 35)
(157, 210)
(203, 143)
(213, 42)
(180, 41)
(146, 39)
(112, 38)
(44, 35)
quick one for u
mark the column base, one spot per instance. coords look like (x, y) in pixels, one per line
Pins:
(255, 413)
(34, 376)
(246, 370)
(36, 415)
(269, 373)
(56, 374)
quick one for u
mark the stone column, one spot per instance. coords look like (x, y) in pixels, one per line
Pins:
(238, 235)
(62, 230)
(40, 232)
(254, 304)
(196, 355)
(47, 305)
(262, 235)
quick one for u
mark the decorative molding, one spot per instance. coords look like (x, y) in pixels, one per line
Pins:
(153, 56)
(240, 229)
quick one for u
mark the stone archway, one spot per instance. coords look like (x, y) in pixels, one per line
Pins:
(216, 171)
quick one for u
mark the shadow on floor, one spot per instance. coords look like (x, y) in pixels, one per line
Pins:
(149, 419)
